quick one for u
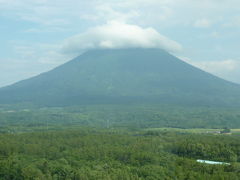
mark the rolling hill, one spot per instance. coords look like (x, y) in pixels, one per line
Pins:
(123, 76)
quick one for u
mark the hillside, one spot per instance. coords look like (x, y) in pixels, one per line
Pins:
(123, 76)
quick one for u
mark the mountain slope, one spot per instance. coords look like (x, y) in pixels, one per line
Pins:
(123, 76)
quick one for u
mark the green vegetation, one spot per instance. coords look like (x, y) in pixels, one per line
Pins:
(116, 154)
(134, 116)
(122, 143)
(226, 130)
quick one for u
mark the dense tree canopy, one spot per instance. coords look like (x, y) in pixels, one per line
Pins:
(116, 154)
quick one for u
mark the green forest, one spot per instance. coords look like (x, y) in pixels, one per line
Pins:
(131, 115)
(118, 142)
(89, 154)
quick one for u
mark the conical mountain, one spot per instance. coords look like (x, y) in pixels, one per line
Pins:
(123, 76)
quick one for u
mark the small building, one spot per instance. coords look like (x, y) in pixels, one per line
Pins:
(212, 162)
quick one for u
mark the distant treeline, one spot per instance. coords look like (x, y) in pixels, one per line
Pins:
(135, 116)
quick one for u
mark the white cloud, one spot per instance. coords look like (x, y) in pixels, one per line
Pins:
(67, 12)
(228, 69)
(19, 69)
(40, 53)
(202, 23)
(107, 12)
(116, 35)
(228, 65)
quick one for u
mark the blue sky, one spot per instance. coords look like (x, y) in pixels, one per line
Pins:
(38, 35)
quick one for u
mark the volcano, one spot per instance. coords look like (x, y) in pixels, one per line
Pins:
(123, 76)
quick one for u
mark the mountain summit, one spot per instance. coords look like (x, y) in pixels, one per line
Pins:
(123, 76)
